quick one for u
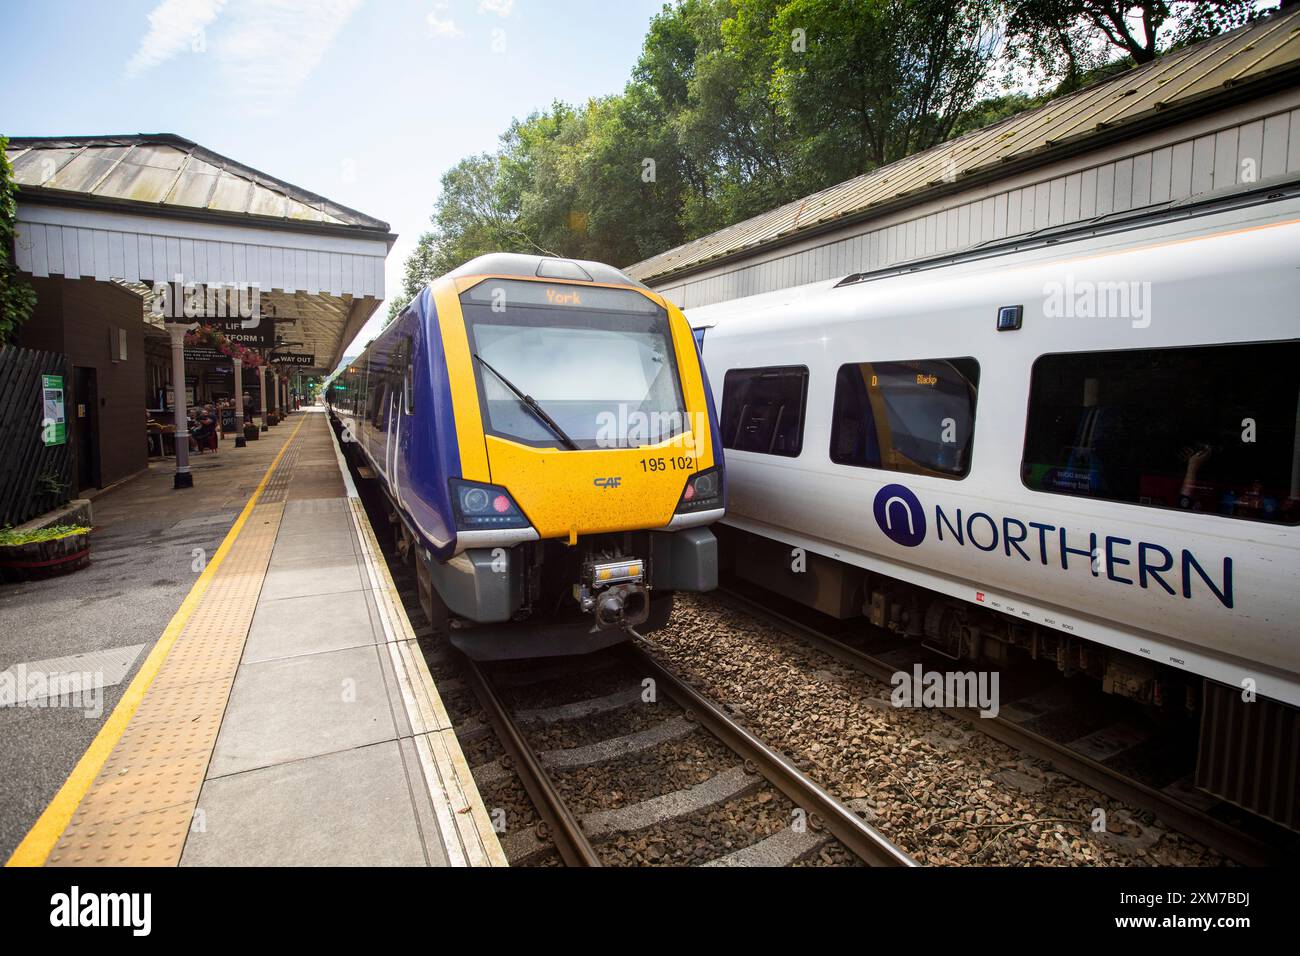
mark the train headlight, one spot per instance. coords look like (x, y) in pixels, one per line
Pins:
(703, 491)
(480, 506)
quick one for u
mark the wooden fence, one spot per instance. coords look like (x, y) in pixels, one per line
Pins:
(34, 477)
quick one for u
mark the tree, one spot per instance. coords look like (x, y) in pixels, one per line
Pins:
(994, 109)
(878, 79)
(469, 219)
(1067, 39)
(17, 298)
(735, 107)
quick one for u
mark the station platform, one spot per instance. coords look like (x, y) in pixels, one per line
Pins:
(286, 716)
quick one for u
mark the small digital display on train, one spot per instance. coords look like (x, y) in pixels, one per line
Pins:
(500, 294)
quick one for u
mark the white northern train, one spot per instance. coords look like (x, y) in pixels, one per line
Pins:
(1110, 479)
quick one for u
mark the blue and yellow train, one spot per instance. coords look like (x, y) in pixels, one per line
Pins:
(546, 440)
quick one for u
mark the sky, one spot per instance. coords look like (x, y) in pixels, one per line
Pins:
(365, 102)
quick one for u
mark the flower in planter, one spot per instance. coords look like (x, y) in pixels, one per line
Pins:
(44, 552)
(10, 538)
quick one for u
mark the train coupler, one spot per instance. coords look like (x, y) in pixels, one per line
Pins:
(614, 593)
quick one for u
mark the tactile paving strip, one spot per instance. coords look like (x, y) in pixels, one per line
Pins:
(138, 810)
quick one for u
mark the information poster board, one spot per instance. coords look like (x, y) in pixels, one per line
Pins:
(54, 424)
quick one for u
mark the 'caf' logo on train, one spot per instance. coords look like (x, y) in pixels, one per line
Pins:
(900, 515)
(607, 483)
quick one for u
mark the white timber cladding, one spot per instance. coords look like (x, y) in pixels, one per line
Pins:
(1258, 141)
(76, 243)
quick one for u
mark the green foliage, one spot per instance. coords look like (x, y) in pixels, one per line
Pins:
(1066, 40)
(738, 106)
(50, 483)
(17, 299)
(10, 538)
(995, 109)
(880, 79)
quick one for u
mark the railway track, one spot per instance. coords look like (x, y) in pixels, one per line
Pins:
(824, 817)
(1223, 836)
(755, 807)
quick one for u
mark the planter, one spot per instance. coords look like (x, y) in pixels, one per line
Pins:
(272, 418)
(35, 560)
(250, 432)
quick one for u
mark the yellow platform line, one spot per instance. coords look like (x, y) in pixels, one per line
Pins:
(48, 828)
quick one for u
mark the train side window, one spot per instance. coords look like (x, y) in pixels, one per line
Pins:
(914, 417)
(763, 409)
(1213, 428)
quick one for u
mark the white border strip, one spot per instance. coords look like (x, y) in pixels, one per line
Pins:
(449, 782)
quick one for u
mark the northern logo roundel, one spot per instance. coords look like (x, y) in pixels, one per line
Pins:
(900, 515)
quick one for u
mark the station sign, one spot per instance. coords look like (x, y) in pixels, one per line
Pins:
(261, 336)
(306, 361)
(54, 427)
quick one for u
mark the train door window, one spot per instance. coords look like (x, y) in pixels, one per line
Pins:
(763, 409)
(377, 385)
(914, 417)
(363, 394)
(1214, 429)
(395, 380)
(408, 379)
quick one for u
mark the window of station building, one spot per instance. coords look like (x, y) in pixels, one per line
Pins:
(763, 409)
(1212, 429)
(915, 417)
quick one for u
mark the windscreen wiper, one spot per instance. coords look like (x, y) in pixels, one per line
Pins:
(530, 403)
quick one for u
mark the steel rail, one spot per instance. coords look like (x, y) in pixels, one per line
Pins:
(864, 840)
(564, 829)
(1240, 847)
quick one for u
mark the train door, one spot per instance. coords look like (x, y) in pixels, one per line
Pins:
(395, 398)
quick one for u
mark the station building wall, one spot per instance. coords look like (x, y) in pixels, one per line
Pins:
(90, 321)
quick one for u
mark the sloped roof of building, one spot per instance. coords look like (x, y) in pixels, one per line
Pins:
(1192, 81)
(165, 172)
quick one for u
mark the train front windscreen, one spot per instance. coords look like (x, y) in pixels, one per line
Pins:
(573, 366)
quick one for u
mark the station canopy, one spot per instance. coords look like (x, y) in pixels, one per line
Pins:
(147, 208)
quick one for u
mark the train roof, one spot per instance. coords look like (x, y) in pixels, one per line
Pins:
(543, 267)
(1244, 209)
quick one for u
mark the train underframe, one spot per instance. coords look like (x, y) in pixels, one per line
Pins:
(548, 598)
(1231, 729)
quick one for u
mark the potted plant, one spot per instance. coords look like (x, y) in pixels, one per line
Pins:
(43, 552)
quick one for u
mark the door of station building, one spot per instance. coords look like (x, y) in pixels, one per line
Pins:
(85, 426)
